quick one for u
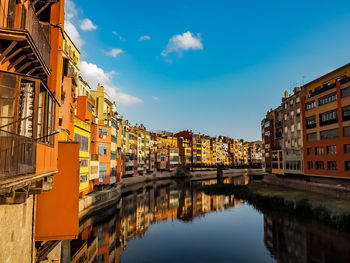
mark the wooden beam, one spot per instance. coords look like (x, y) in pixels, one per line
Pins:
(8, 49)
(26, 65)
(32, 70)
(42, 9)
(12, 55)
(34, 2)
(18, 36)
(13, 64)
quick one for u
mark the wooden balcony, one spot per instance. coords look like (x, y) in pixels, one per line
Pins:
(27, 153)
(17, 155)
(24, 42)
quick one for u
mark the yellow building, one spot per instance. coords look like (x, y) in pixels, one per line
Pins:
(172, 141)
(82, 133)
(277, 162)
(71, 52)
(104, 108)
(213, 151)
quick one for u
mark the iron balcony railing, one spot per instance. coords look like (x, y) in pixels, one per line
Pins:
(29, 23)
(17, 154)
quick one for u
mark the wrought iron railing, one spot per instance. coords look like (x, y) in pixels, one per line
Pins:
(17, 154)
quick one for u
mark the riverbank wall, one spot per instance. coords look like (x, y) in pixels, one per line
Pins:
(329, 210)
(332, 188)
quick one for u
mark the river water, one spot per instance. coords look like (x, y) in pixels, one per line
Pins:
(171, 221)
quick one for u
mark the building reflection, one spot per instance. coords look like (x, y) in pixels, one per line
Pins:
(151, 205)
(291, 239)
(103, 237)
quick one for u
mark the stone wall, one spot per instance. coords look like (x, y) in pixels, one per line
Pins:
(16, 225)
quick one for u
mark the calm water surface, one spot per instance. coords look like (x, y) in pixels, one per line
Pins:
(171, 221)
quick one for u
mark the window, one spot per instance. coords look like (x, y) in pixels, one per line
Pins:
(297, 99)
(347, 166)
(346, 113)
(310, 105)
(329, 134)
(267, 124)
(346, 131)
(328, 117)
(332, 165)
(102, 148)
(347, 148)
(319, 150)
(310, 165)
(83, 142)
(46, 119)
(102, 172)
(319, 165)
(309, 151)
(102, 133)
(332, 149)
(89, 106)
(267, 133)
(311, 122)
(345, 92)
(83, 162)
(83, 178)
(327, 99)
(311, 137)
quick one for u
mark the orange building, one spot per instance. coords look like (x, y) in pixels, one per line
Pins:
(326, 125)
(28, 96)
(31, 76)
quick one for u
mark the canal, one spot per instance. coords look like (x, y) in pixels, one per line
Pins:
(174, 221)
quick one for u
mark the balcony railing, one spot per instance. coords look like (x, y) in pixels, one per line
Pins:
(31, 24)
(17, 154)
(322, 89)
(94, 157)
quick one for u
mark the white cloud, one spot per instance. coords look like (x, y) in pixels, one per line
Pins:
(94, 75)
(70, 10)
(119, 36)
(183, 42)
(155, 98)
(142, 38)
(114, 52)
(87, 25)
(73, 33)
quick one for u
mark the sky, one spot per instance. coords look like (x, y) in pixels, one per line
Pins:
(214, 67)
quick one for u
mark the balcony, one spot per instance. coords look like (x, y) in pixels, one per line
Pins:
(25, 45)
(25, 137)
(95, 157)
(17, 155)
(322, 89)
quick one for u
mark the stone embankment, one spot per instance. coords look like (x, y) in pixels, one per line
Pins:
(336, 188)
(262, 195)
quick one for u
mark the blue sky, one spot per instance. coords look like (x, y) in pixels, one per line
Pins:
(214, 67)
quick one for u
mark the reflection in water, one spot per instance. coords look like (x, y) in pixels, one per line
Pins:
(291, 239)
(104, 236)
(147, 206)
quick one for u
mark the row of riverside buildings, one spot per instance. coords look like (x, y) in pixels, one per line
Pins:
(309, 133)
(60, 139)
